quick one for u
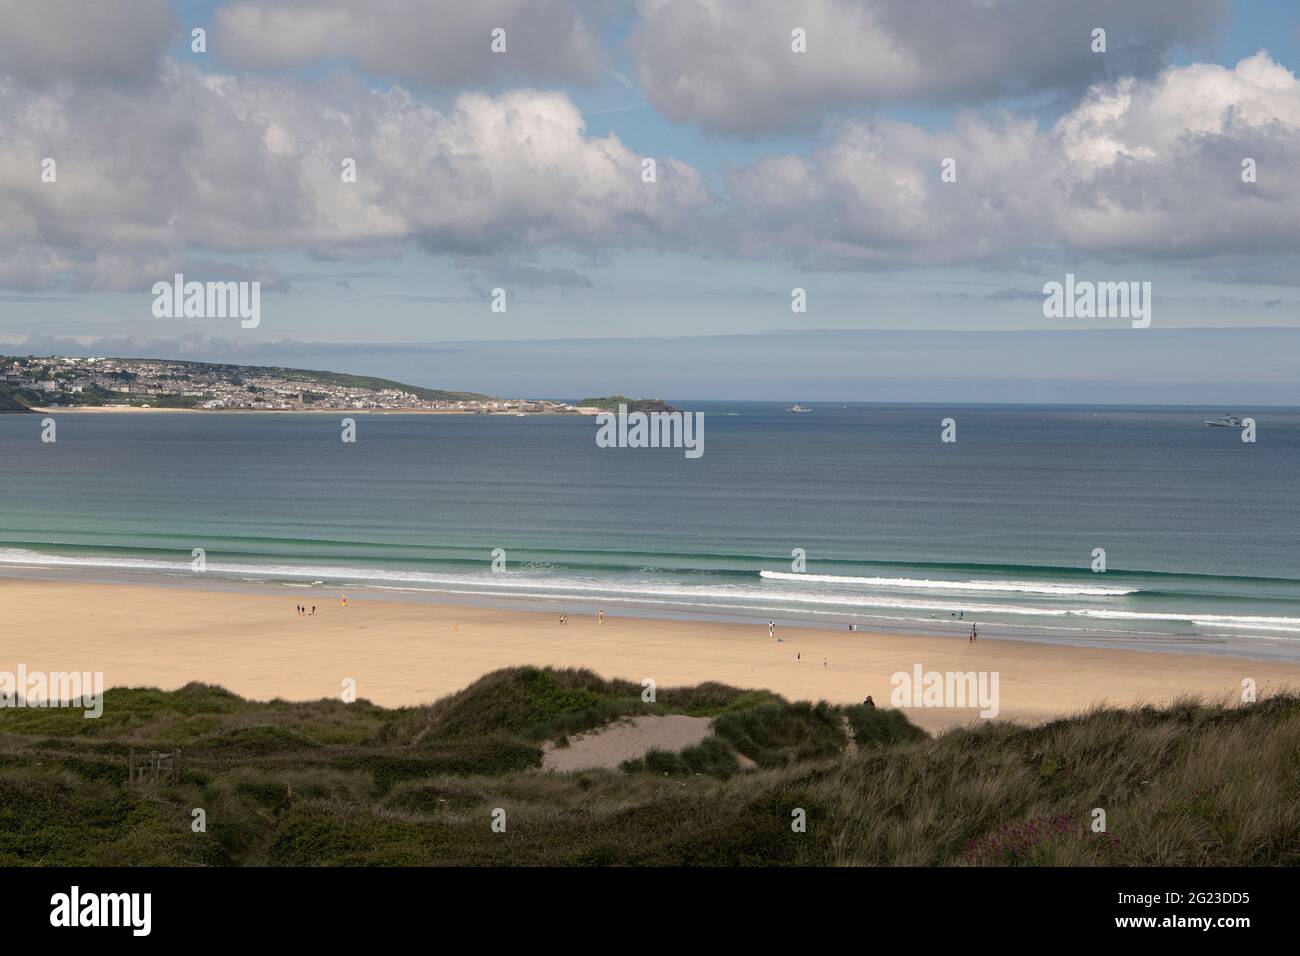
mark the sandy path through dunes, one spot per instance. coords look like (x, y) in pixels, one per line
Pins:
(629, 739)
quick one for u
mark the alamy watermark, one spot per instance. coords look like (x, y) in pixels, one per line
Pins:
(54, 689)
(922, 688)
(130, 910)
(208, 300)
(1098, 300)
(651, 430)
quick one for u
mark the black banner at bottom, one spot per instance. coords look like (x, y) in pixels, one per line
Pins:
(334, 905)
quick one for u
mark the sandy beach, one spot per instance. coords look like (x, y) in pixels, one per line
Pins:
(411, 653)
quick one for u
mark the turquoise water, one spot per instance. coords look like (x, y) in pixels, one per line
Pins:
(900, 530)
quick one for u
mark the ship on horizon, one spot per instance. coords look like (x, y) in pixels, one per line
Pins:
(1224, 421)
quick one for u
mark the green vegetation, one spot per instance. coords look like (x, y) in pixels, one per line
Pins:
(331, 783)
(611, 403)
(710, 756)
(93, 395)
(13, 400)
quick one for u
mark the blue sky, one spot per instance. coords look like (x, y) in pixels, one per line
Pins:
(521, 171)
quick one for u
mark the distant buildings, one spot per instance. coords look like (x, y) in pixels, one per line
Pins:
(57, 380)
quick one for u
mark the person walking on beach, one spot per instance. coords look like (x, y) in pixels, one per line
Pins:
(973, 634)
(313, 610)
(602, 615)
(771, 629)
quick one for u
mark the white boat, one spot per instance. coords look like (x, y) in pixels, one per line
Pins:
(1225, 421)
(796, 407)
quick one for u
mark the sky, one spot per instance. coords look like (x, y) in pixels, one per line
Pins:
(775, 170)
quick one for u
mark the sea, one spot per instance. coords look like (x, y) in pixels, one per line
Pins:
(1109, 526)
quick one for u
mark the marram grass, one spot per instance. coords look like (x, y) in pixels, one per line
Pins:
(331, 783)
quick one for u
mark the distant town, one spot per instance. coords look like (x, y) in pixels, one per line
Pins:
(54, 382)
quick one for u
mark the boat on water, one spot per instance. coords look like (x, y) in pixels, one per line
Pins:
(1224, 421)
(796, 407)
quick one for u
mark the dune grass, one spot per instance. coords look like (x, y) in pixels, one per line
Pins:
(331, 783)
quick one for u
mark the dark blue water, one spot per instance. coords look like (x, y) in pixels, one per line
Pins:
(1199, 529)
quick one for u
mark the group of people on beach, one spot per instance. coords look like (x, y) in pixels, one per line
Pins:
(302, 610)
(771, 632)
(798, 655)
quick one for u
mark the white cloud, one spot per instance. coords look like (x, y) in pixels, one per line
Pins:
(201, 163)
(1137, 169)
(211, 169)
(426, 43)
(728, 64)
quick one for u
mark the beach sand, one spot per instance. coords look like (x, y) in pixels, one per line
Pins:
(629, 739)
(411, 653)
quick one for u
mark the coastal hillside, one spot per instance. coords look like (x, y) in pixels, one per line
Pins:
(62, 381)
(11, 400)
(343, 380)
(335, 783)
